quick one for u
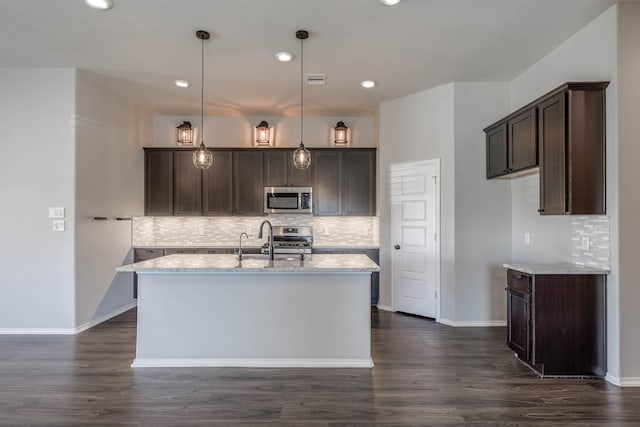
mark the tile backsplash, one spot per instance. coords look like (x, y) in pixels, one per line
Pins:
(170, 231)
(596, 230)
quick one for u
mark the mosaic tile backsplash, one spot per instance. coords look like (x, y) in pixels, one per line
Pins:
(596, 253)
(168, 231)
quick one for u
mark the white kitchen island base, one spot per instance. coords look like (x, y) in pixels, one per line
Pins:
(249, 318)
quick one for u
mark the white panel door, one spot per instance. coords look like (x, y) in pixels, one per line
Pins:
(415, 257)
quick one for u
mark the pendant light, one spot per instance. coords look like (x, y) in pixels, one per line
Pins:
(302, 156)
(202, 158)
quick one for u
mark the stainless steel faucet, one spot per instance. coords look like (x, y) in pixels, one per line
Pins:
(270, 237)
(240, 245)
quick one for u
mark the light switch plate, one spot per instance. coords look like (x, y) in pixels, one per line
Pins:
(58, 224)
(527, 238)
(56, 213)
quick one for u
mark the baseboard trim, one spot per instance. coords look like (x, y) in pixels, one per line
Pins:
(67, 331)
(94, 322)
(253, 363)
(37, 331)
(472, 323)
(624, 381)
(385, 307)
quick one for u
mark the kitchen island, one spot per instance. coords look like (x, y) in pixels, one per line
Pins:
(216, 310)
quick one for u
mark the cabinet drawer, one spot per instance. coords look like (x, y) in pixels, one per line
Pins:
(145, 254)
(179, 251)
(214, 251)
(519, 281)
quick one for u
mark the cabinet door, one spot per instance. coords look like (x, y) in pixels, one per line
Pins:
(519, 323)
(218, 185)
(497, 151)
(158, 183)
(298, 177)
(358, 183)
(248, 178)
(187, 184)
(275, 172)
(553, 183)
(523, 142)
(327, 182)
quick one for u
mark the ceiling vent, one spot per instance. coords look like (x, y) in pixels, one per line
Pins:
(315, 79)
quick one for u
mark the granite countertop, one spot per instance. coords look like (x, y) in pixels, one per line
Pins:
(213, 263)
(558, 268)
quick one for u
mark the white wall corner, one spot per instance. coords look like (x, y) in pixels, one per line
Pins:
(624, 381)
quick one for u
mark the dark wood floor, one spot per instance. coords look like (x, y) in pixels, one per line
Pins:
(425, 374)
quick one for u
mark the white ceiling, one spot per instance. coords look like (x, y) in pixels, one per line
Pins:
(141, 46)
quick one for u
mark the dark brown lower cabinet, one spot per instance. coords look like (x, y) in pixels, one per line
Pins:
(556, 322)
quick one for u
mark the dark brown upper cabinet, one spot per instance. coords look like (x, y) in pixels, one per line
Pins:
(344, 182)
(217, 184)
(572, 150)
(512, 145)
(496, 150)
(158, 183)
(280, 172)
(327, 182)
(358, 183)
(187, 181)
(248, 182)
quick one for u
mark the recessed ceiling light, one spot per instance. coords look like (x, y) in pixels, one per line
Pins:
(99, 4)
(390, 2)
(284, 56)
(182, 83)
(367, 84)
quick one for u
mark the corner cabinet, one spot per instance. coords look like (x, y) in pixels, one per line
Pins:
(556, 322)
(562, 132)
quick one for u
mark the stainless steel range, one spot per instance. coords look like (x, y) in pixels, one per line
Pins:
(292, 242)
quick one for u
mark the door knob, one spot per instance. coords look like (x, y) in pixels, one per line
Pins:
(396, 247)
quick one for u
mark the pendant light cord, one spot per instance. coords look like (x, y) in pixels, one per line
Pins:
(202, 94)
(301, 91)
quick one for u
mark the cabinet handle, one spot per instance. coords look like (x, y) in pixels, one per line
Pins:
(396, 247)
(540, 210)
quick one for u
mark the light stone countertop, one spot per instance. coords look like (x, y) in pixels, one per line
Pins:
(214, 263)
(559, 268)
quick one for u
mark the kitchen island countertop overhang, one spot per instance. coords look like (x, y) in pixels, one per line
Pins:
(216, 311)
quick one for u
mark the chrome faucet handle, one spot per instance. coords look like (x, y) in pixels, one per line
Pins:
(239, 254)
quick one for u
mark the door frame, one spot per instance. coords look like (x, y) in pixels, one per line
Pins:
(436, 163)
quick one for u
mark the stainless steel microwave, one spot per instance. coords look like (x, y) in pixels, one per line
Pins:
(288, 200)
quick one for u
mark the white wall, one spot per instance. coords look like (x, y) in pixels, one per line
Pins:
(412, 128)
(238, 131)
(109, 183)
(36, 172)
(628, 195)
(589, 55)
(446, 123)
(482, 207)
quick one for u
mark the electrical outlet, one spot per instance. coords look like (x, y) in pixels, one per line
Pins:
(325, 231)
(201, 231)
(58, 225)
(585, 244)
(365, 231)
(527, 238)
(56, 213)
(249, 231)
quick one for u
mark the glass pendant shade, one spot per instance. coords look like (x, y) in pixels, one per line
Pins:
(341, 133)
(185, 134)
(202, 158)
(263, 133)
(302, 157)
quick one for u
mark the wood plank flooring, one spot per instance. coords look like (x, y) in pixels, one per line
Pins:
(426, 374)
